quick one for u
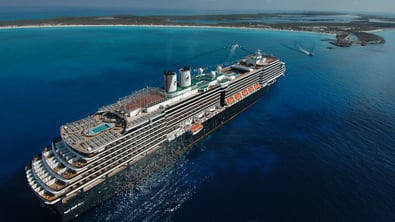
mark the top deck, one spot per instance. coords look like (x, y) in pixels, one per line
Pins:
(109, 123)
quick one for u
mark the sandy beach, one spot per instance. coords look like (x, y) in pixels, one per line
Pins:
(159, 26)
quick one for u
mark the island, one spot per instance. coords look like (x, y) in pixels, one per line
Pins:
(349, 29)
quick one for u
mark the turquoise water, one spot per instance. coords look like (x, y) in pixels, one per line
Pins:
(100, 128)
(318, 147)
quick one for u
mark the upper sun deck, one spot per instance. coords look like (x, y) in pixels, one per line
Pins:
(109, 123)
(92, 133)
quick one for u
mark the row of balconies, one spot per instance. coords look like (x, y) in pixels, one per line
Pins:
(192, 109)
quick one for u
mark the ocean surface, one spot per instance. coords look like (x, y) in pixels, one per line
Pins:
(320, 146)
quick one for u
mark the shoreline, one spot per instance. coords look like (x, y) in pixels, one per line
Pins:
(255, 21)
(12, 27)
(340, 39)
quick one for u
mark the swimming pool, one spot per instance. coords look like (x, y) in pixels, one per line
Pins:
(98, 129)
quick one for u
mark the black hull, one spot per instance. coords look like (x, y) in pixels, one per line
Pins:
(128, 178)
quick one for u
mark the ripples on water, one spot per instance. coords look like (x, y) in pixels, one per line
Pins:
(158, 195)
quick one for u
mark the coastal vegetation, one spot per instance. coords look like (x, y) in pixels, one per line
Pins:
(343, 26)
(345, 39)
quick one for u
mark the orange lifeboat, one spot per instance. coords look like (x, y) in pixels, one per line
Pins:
(251, 89)
(257, 85)
(237, 96)
(196, 128)
(244, 92)
(229, 100)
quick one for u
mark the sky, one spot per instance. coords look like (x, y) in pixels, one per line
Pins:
(314, 5)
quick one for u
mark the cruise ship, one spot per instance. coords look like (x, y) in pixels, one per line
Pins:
(112, 149)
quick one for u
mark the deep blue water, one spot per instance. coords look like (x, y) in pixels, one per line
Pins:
(318, 147)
